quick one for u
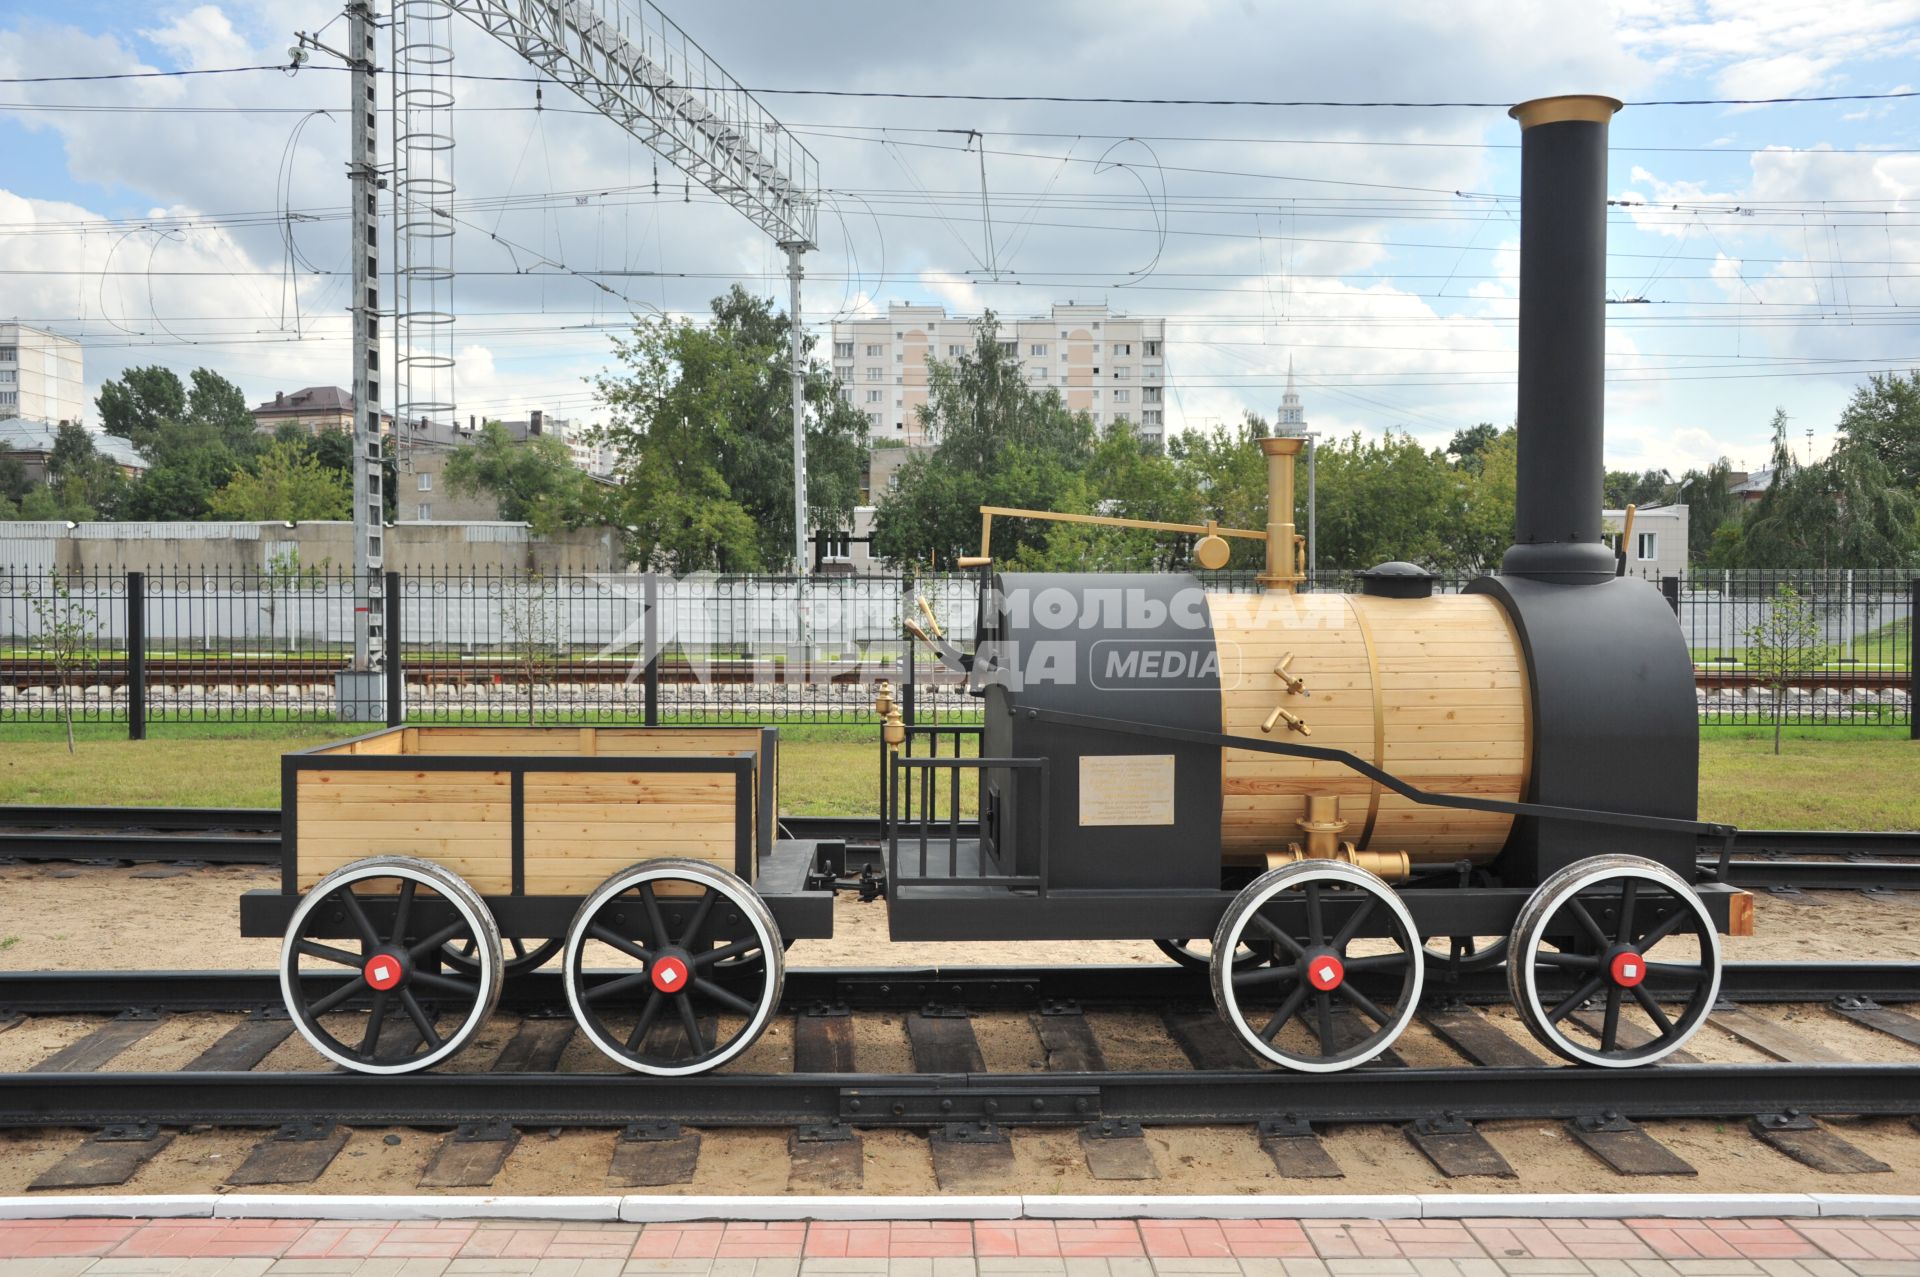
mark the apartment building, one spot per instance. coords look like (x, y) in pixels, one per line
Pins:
(1110, 366)
(40, 375)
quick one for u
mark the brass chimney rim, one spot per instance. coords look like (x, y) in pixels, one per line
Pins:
(1592, 108)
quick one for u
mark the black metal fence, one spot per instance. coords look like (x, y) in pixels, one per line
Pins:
(1835, 647)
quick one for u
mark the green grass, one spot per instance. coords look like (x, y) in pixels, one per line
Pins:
(1824, 778)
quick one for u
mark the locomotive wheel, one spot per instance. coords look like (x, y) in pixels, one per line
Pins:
(1588, 933)
(696, 954)
(518, 957)
(1200, 956)
(1296, 1004)
(386, 1016)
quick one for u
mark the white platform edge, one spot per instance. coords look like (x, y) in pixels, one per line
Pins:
(681, 1209)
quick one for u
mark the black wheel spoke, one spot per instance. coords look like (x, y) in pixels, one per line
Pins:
(426, 947)
(443, 983)
(519, 948)
(1323, 1017)
(1567, 961)
(699, 918)
(1610, 1023)
(1316, 926)
(1664, 928)
(656, 922)
(725, 997)
(738, 949)
(1274, 932)
(328, 1002)
(1651, 1006)
(1585, 919)
(1377, 962)
(1364, 1004)
(376, 1017)
(692, 1024)
(612, 987)
(1286, 1012)
(1265, 975)
(358, 916)
(421, 1020)
(1629, 897)
(1698, 974)
(613, 939)
(648, 1014)
(314, 949)
(403, 907)
(1578, 996)
(1355, 921)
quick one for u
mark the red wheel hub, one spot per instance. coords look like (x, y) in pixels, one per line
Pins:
(1627, 969)
(1325, 972)
(383, 971)
(669, 975)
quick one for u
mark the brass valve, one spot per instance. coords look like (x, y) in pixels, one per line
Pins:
(893, 730)
(1298, 686)
(1294, 722)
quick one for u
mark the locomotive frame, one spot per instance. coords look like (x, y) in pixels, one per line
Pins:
(1139, 809)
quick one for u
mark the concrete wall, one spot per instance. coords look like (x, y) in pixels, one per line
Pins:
(250, 547)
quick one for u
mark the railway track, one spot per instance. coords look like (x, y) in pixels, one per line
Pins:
(1856, 860)
(1083, 1060)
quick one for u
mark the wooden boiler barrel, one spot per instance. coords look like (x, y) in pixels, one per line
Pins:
(1431, 690)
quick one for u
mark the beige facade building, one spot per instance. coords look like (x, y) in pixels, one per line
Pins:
(41, 375)
(1110, 366)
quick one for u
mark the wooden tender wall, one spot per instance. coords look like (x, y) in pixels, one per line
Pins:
(579, 826)
(1432, 690)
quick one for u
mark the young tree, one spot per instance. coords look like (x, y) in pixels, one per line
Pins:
(64, 634)
(1782, 646)
(532, 631)
(286, 483)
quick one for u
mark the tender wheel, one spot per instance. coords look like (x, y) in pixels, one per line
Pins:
(1590, 931)
(1200, 956)
(1313, 927)
(519, 958)
(361, 965)
(673, 967)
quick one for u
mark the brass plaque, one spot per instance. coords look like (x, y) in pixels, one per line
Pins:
(1126, 789)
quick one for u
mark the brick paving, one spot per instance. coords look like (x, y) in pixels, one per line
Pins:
(1494, 1247)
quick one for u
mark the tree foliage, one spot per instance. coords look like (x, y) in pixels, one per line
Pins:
(533, 479)
(702, 424)
(1884, 417)
(1844, 512)
(1782, 646)
(285, 483)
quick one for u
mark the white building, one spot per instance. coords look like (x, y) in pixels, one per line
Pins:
(40, 375)
(1110, 366)
(1659, 545)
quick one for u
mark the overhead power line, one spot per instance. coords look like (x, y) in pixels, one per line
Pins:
(1073, 99)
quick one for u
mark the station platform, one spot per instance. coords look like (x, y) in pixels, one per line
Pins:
(1491, 1246)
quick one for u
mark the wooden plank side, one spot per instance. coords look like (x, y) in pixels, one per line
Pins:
(459, 819)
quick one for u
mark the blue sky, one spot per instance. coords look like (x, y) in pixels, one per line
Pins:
(1778, 247)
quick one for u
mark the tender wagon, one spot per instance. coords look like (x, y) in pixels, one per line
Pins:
(423, 865)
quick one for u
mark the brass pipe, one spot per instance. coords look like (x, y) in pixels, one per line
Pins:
(1281, 573)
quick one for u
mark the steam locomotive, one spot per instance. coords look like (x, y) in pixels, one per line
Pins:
(1319, 797)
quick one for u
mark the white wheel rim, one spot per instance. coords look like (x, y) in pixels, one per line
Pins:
(455, 892)
(1249, 903)
(1552, 899)
(731, 889)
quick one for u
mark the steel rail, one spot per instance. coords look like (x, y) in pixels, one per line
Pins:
(906, 988)
(919, 1100)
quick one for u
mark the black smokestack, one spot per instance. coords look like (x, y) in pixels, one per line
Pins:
(1563, 339)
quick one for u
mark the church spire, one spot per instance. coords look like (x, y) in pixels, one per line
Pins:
(1293, 420)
